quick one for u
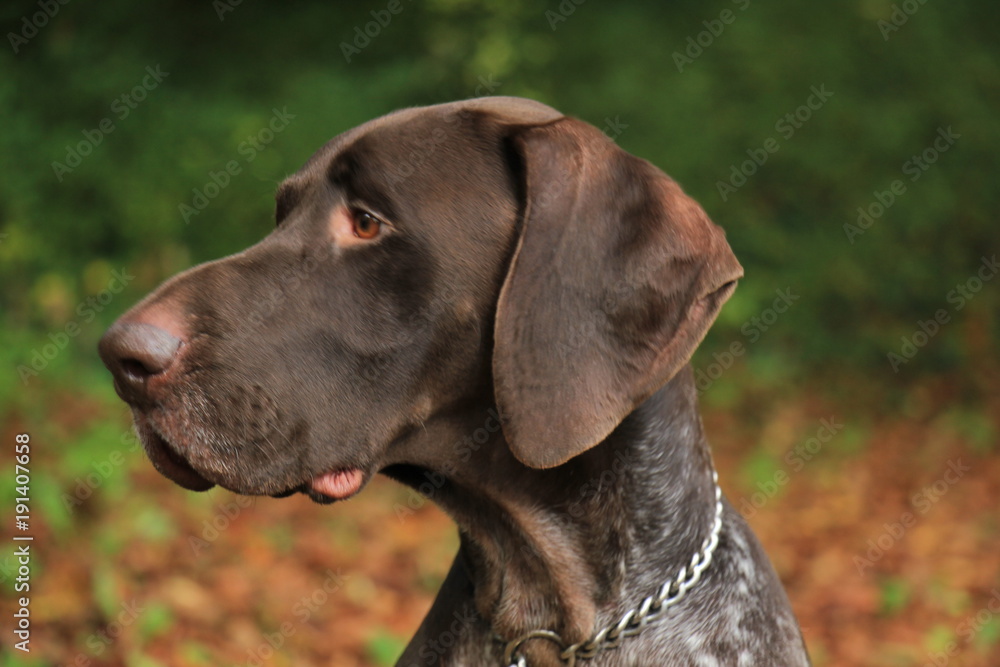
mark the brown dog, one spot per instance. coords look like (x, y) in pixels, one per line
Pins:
(491, 302)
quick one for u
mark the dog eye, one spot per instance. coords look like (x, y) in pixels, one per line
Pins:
(365, 225)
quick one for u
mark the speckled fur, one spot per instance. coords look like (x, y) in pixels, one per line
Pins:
(633, 534)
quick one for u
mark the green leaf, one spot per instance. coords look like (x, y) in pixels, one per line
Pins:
(384, 648)
(896, 594)
(105, 589)
(156, 619)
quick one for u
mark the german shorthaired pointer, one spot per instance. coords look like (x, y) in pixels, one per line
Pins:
(490, 302)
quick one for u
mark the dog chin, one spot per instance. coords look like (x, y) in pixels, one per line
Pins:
(168, 462)
(324, 488)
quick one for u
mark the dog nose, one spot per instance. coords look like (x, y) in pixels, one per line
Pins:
(134, 352)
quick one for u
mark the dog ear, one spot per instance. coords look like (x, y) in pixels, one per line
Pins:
(615, 279)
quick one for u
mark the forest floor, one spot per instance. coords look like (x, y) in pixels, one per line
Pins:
(881, 522)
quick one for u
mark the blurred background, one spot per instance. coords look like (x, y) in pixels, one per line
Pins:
(849, 387)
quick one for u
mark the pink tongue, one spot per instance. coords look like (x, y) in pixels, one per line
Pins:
(338, 484)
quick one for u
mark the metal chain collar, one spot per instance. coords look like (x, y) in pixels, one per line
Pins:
(635, 620)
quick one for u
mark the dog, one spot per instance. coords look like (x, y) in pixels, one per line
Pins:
(493, 303)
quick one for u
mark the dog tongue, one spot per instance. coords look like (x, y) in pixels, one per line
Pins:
(338, 484)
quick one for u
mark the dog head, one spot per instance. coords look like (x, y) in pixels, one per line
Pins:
(427, 263)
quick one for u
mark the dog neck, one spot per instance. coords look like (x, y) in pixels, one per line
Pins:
(569, 549)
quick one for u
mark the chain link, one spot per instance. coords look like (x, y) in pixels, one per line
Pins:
(635, 620)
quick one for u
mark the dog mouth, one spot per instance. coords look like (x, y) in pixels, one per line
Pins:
(167, 461)
(324, 488)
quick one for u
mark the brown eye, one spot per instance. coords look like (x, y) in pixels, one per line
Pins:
(365, 225)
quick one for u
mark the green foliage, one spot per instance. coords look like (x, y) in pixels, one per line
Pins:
(196, 654)
(989, 635)
(939, 637)
(138, 659)
(973, 426)
(760, 468)
(15, 658)
(157, 619)
(896, 595)
(106, 591)
(222, 80)
(384, 648)
(153, 524)
(47, 494)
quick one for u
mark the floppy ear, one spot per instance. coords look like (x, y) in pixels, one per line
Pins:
(615, 279)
